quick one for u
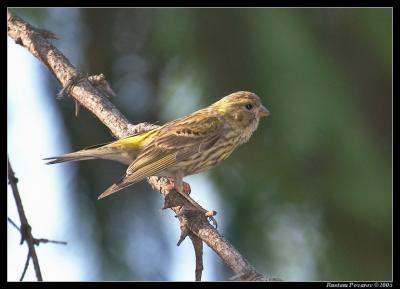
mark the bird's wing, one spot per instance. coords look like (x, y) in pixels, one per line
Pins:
(176, 141)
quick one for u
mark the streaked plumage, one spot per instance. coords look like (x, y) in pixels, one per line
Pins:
(182, 147)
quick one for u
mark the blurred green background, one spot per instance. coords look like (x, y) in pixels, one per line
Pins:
(309, 197)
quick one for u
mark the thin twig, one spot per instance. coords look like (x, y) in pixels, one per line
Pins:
(37, 241)
(13, 223)
(42, 240)
(25, 267)
(25, 229)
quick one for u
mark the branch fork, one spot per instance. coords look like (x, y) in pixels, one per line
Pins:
(25, 229)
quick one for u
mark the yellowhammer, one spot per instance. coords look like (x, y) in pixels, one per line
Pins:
(182, 147)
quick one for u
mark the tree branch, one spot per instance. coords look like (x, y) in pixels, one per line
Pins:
(25, 229)
(198, 251)
(37, 241)
(28, 257)
(87, 95)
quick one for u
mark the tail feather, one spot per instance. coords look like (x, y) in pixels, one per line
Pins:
(67, 158)
(114, 188)
(123, 153)
(124, 150)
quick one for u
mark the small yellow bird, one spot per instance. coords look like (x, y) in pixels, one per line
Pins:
(182, 147)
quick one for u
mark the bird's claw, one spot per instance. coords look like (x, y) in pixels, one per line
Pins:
(210, 217)
(208, 214)
(171, 186)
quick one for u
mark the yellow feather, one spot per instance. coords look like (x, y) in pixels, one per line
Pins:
(137, 140)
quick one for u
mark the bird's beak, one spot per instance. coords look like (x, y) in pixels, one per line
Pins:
(262, 111)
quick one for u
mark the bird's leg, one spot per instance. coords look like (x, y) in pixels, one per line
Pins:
(185, 186)
(179, 187)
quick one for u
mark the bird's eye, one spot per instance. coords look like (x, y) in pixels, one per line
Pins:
(249, 106)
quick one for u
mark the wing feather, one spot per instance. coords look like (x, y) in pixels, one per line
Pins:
(175, 142)
(181, 138)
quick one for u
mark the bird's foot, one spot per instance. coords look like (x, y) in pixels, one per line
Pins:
(196, 210)
(171, 202)
(184, 190)
(185, 186)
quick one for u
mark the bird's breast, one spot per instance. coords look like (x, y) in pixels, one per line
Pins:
(205, 160)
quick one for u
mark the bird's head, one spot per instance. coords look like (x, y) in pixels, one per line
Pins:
(243, 109)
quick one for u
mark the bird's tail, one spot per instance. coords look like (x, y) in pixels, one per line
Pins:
(123, 150)
(85, 154)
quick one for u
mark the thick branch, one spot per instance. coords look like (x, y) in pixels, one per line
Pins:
(89, 97)
(84, 92)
